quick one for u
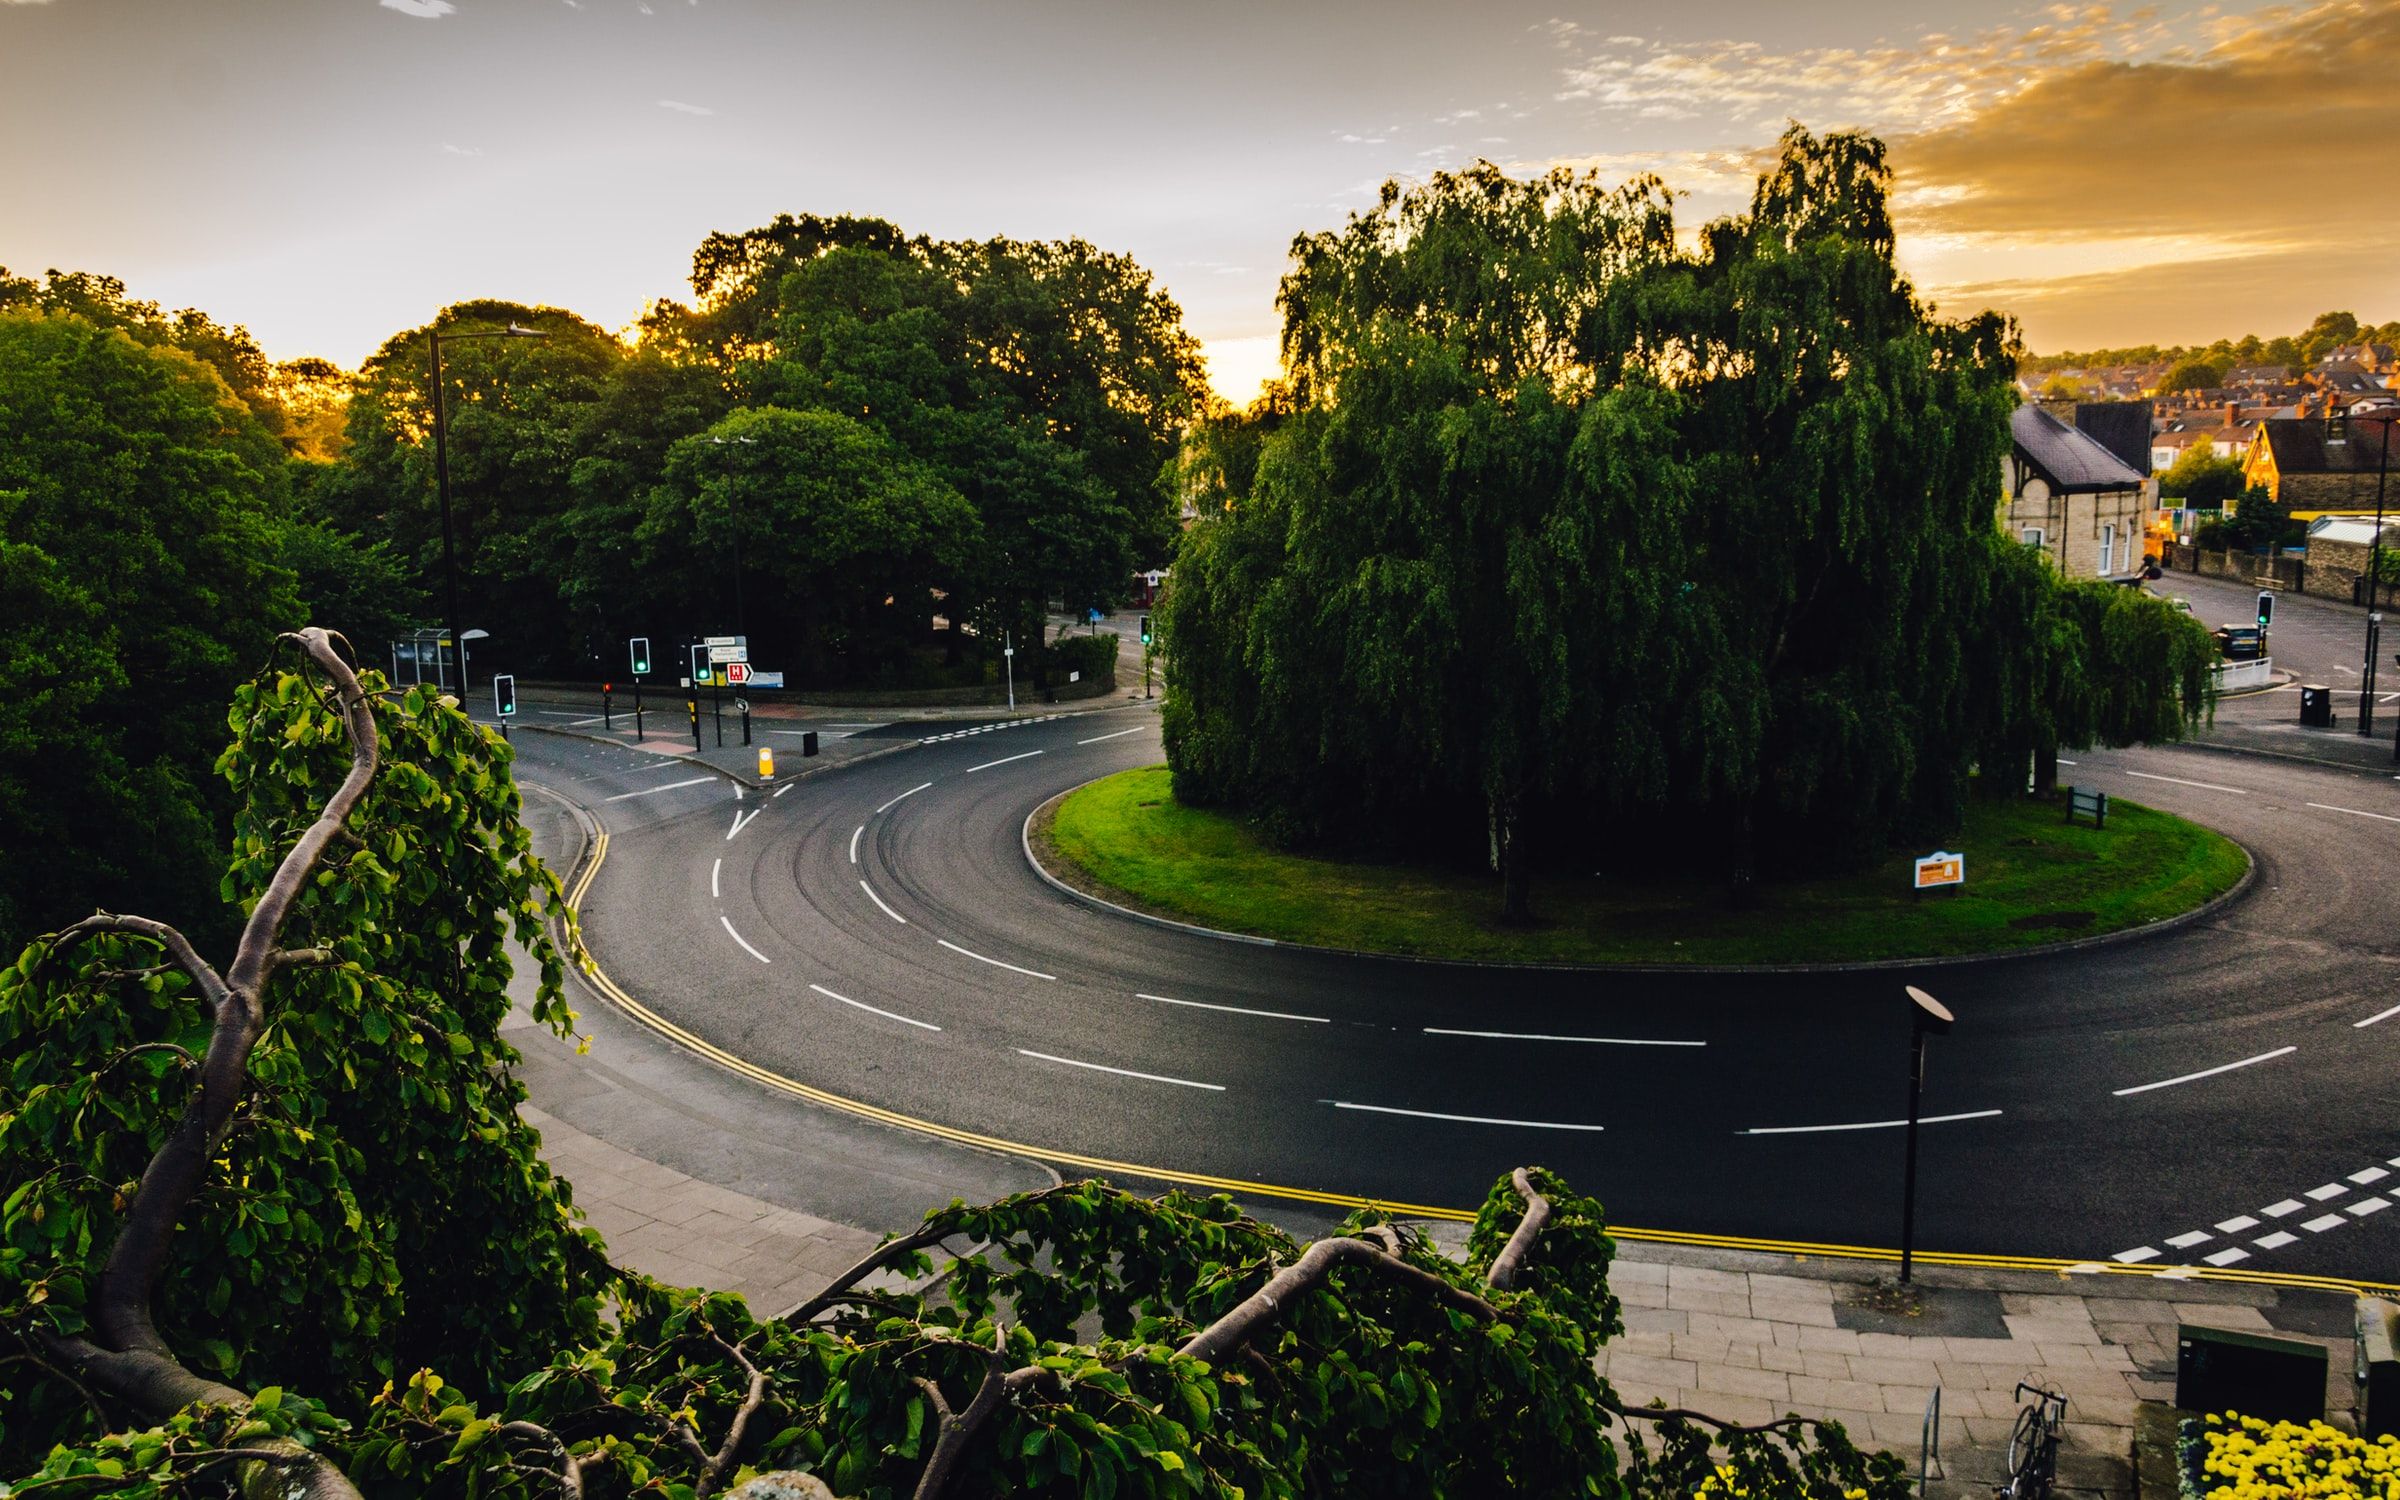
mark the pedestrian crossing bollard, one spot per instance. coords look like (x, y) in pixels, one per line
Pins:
(766, 762)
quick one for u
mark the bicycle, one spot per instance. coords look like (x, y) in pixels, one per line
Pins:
(2033, 1445)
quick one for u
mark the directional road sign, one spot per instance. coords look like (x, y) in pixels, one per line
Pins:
(737, 672)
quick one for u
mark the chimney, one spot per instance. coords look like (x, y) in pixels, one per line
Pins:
(2233, 412)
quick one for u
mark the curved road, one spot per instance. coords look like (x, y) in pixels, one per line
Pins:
(2223, 1094)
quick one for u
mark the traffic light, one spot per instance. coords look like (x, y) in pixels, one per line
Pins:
(2266, 609)
(1145, 630)
(504, 695)
(641, 656)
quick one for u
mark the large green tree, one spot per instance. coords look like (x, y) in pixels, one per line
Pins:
(816, 528)
(1575, 540)
(518, 411)
(139, 581)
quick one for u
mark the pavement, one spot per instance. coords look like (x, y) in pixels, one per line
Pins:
(698, 1176)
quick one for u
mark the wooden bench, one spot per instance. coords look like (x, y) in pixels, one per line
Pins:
(2082, 799)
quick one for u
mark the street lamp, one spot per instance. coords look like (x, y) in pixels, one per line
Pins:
(1926, 1016)
(441, 483)
(2366, 694)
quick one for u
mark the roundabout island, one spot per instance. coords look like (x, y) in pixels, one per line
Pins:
(2036, 880)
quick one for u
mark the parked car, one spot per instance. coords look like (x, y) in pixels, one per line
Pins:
(2240, 642)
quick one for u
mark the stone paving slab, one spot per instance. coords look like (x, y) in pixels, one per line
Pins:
(1747, 1337)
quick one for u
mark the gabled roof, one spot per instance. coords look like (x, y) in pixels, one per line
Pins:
(2303, 446)
(2073, 462)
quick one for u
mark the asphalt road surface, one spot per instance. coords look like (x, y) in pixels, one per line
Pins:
(2222, 1094)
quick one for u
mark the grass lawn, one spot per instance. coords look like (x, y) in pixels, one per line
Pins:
(2030, 879)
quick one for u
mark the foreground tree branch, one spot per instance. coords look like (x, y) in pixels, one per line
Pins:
(126, 1357)
(1510, 1262)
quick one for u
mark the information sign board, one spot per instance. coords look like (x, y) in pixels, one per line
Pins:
(1941, 868)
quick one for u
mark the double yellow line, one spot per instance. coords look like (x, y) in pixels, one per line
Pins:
(1802, 1249)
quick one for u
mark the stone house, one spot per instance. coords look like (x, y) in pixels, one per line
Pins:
(2340, 550)
(2077, 484)
(2318, 463)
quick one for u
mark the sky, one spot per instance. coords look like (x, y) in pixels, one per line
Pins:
(330, 172)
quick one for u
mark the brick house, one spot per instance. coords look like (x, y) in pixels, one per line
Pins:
(2315, 463)
(2077, 484)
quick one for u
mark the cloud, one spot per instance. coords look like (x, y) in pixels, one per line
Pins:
(2234, 182)
(2107, 176)
(1894, 86)
(682, 108)
(427, 10)
(461, 150)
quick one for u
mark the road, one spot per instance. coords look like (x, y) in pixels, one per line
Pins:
(2223, 1094)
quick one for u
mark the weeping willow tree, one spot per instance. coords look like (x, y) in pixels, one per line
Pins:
(1567, 538)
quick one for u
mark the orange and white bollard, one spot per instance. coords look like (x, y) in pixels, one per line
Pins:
(766, 762)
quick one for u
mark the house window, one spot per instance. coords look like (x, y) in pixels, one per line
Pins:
(2108, 550)
(2031, 536)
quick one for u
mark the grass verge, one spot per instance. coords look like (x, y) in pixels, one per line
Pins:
(2031, 879)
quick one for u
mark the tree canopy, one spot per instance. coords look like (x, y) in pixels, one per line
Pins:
(139, 581)
(1570, 529)
(2200, 480)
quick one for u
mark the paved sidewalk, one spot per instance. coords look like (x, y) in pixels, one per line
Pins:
(1748, 1337)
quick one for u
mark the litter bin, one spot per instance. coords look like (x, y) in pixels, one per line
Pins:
(2316, 706)
(2378, 1367)
(2276, 1379)
(808, 743)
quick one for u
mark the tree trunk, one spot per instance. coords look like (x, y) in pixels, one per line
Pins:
(1742, 860)
(1508, 856)
(2045, 767)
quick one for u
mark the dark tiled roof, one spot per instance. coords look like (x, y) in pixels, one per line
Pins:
(2073, 462)
(2301, 447)
(2122, 427)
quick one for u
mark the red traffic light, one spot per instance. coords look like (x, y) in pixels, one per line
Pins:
(608, 687)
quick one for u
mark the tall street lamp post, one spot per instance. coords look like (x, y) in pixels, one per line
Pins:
(1926, 1015)
(2366, 686)
(441, 484)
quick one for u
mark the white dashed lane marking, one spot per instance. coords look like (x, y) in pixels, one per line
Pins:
(2179, 781)
(878, 900)
(1602, 1041)
(2168, 1083)
(1239, 1010)
(652, 791)
(1120, 1072)
(1972, 1114)
(904, 796)
(888, 1015)
(1002, 761)
(2354, 812)
(737, 937)
(979, 958)
(1428, 1114)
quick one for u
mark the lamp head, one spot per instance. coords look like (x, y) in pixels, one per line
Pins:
(1927, 1013)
